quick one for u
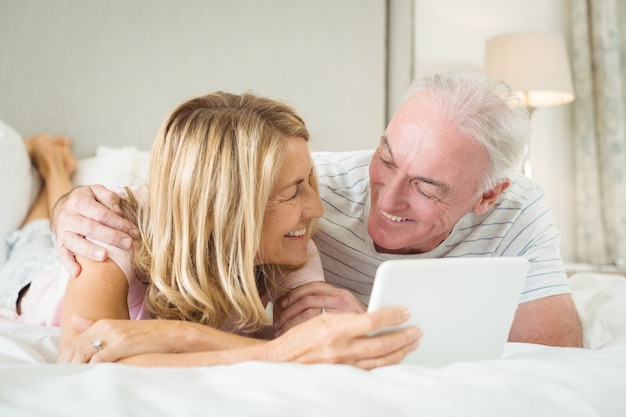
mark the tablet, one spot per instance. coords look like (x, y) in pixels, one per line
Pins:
(464, 306)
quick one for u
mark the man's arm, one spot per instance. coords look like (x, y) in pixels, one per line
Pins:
(549, 321)
(91, 211)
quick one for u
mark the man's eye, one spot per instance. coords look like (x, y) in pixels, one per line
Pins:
(419, 190)
(426, 195)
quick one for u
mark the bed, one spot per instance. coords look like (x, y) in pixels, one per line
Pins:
(529, 380)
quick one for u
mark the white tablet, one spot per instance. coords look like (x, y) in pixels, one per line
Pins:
(464, 306)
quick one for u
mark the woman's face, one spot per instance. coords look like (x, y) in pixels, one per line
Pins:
(291, 207)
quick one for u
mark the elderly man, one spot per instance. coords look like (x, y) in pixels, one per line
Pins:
(443, 182)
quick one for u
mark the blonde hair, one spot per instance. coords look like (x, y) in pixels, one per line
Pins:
(214, 165)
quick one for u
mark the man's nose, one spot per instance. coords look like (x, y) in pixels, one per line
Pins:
(393, 192)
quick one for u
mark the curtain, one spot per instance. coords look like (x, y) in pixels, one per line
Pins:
(598, 55)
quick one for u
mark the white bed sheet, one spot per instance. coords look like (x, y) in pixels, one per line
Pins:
(530, 380)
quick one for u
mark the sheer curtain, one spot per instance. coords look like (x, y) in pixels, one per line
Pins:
(599, 72)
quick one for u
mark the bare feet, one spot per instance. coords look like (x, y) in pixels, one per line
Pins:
(49, 153)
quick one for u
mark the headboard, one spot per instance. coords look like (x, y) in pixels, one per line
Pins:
(108, 72)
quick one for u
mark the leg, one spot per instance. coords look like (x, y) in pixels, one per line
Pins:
(55, 162)
(33, 244)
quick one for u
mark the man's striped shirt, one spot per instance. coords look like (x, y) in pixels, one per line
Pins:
(520, 223)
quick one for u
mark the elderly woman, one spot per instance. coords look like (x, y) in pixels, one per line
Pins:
(225, 225)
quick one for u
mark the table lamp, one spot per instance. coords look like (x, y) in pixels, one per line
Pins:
(535, 65)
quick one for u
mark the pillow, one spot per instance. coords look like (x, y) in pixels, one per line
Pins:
(19, 182)
(113, 167)
(142, 164)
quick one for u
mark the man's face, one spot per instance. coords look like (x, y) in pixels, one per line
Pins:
(424, 177)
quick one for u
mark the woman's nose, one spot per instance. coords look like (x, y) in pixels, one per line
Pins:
(313, 208)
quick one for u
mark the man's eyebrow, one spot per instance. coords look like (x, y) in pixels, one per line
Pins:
(384, 143)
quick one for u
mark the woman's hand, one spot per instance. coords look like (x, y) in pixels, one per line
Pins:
(91, 211)
(122, 339)
(347, 338)
(119, 339)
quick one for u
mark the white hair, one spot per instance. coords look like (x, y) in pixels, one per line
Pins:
(484, 109)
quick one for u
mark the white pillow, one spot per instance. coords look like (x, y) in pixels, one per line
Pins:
(113, 167)
(19, 183)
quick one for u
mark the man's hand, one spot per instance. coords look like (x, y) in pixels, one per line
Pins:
(308, 300)
(92, 211)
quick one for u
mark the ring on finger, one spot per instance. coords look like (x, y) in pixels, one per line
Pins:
(97, 343)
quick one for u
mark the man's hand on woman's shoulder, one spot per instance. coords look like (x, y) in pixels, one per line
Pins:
(89, 211)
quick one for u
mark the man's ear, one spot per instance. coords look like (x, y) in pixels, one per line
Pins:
(489, 197)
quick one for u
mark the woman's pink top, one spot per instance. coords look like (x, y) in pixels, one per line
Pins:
(43, 302)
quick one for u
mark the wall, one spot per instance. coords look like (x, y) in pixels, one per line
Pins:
(450, 33)
(108, 72)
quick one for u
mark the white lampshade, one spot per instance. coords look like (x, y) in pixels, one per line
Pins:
(534, 64)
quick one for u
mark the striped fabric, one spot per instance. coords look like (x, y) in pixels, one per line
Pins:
(519, 224)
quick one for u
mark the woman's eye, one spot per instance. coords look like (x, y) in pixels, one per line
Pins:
(296, 194)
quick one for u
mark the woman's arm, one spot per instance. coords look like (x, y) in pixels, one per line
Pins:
(125, 338)
(331, 338)
(100, 292)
